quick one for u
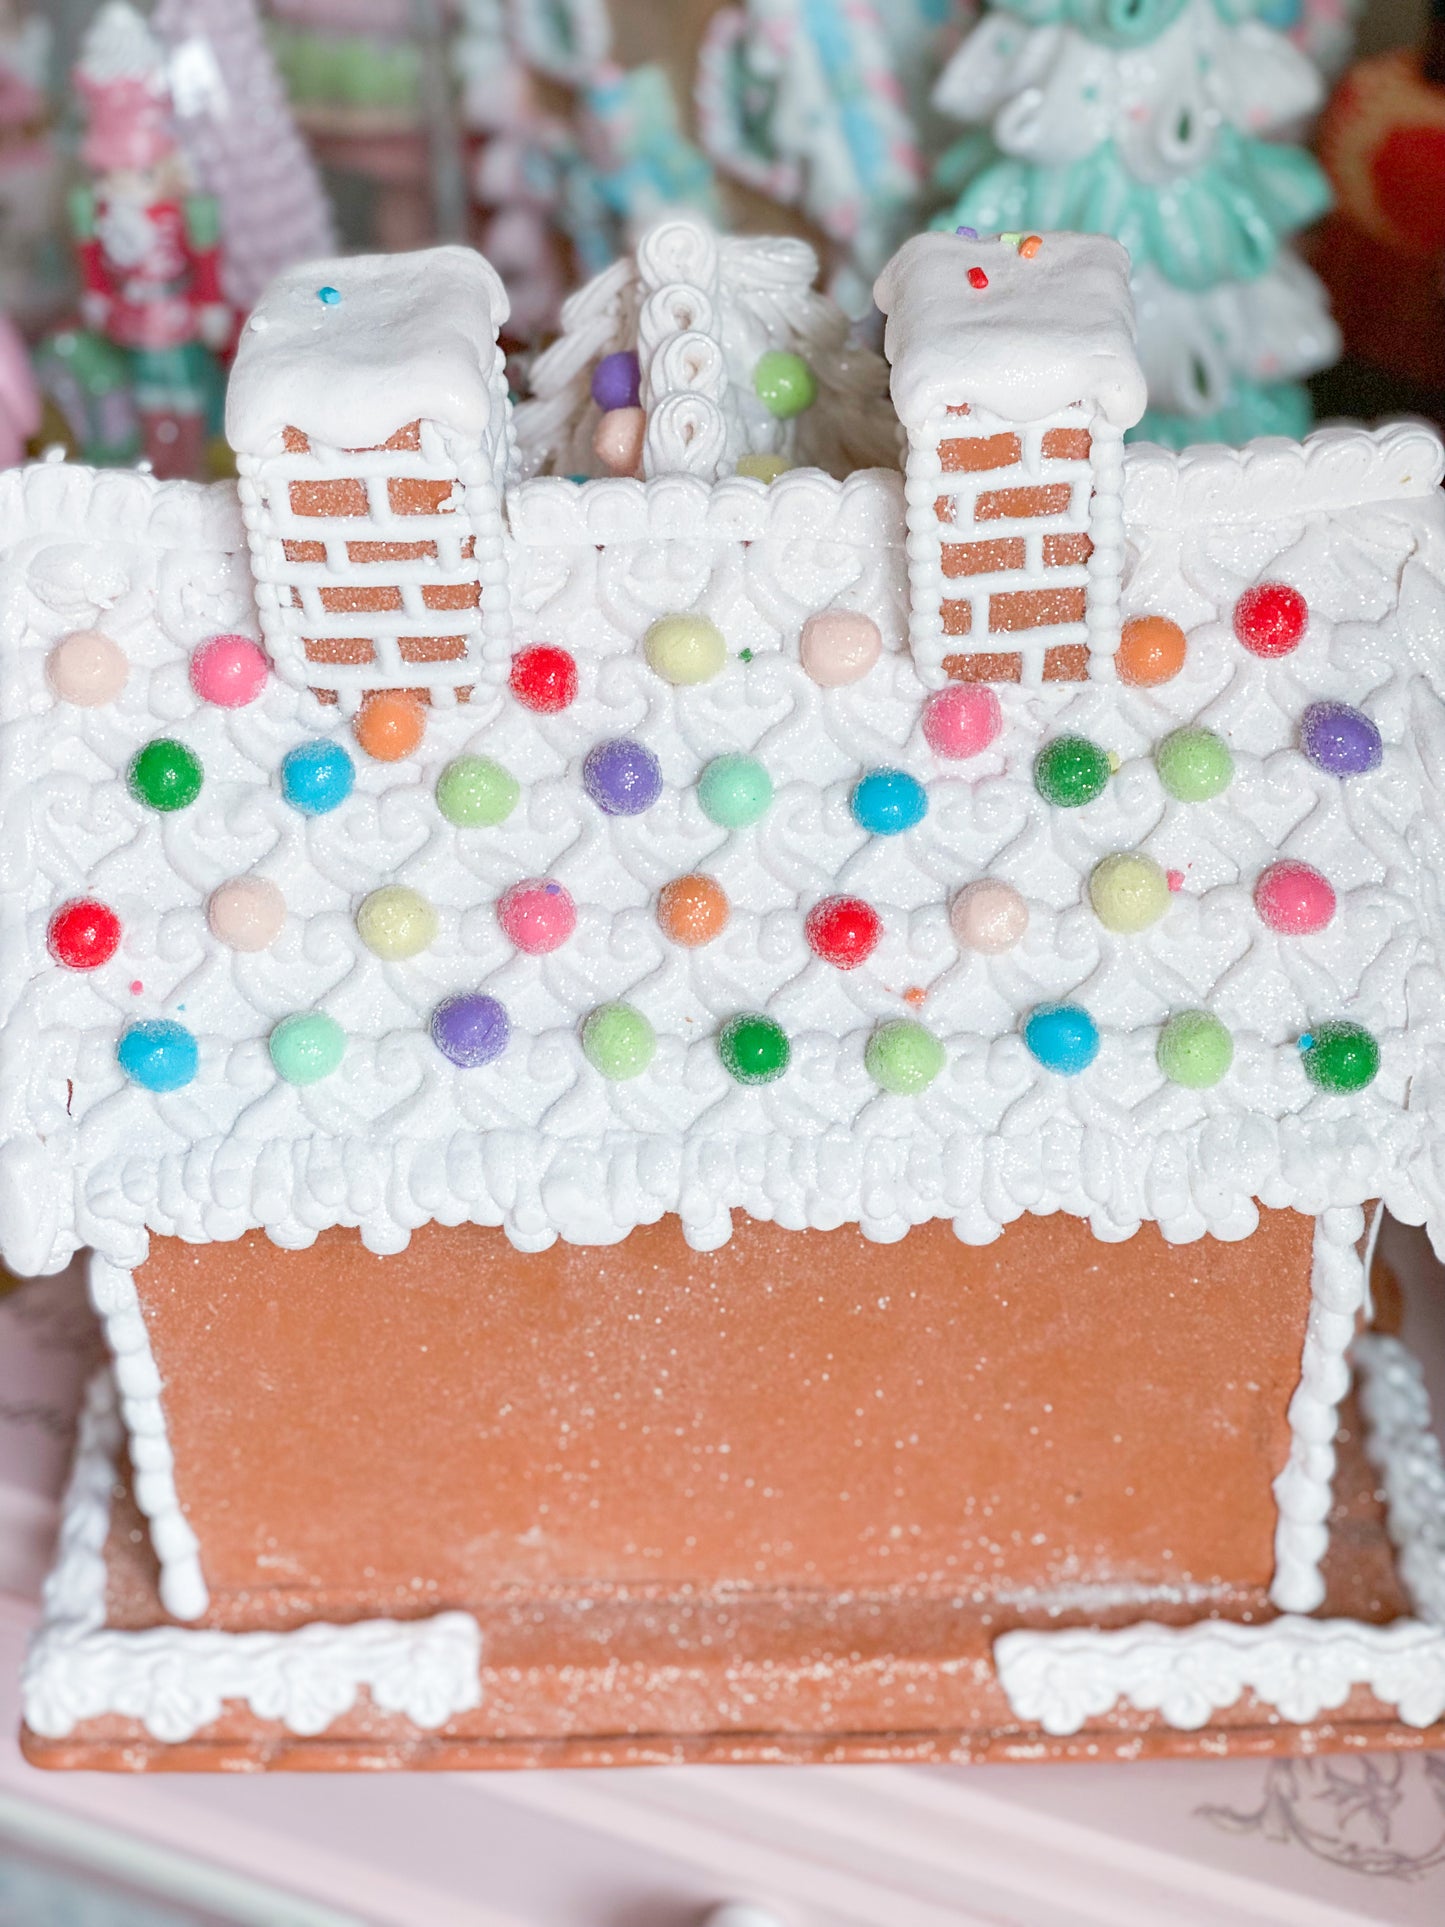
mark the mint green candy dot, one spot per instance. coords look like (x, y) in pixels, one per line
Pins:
(903, 1057)
(1193, 765)
(785, 384)
(474, 793)
(1195, 1050)
(734, 791)
(618, 1041)
(307, 1047)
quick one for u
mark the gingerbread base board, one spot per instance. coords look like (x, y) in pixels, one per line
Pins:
(648, 1681)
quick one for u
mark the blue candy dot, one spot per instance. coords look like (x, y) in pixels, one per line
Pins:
(888, 801)
(1063, 1038)
(158, 1055)
(317, 777)
(328, 296)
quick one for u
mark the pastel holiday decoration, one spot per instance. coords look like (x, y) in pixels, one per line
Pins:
(685, 649)
(229, 671)
(83, 934)
(165, 775)
(838, 647)
(1063, 1037)
(734, 791)
(618, 1041)
(886, 802)
(307, 1047)
(476, 792)
(903, 1057)
(1147, 123)
(396, 922)
(962, 720)
(1293, 898)
(544, 678)
(622, 777)
(1151, 650)
(989, 916)
(1071, 771)
(1194, 764)
(1129, 892)
(1270, 619)
(470, 1029)
(87, 668)
(317, 777)
(538, 915)
(693, 910)
(1341, 739)
(159, 1054)
(1195, 1050)
(246, 913)
(843, 931)
(754, 1049)
(1340, 1057)
(390, 725)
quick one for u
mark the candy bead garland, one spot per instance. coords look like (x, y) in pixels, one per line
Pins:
(1194, 765)
(1270, 619)
(476, 793)
(618, 1041)
(470, 1029)
(246, 913)
(306, 1047)
(734, 791)
(87, 668)
(1151, 651)
(754, 1049)
(1340, 739)
(390, 725)
(685, 649)
(784, 383)
(1194, 1050)
(1071, 771)
(838, 647)
(1293, 899)
(229, 671)
(543, 678)
(1062, 1037)
(886, 802)
(83, 934)
(622, 777)
(692, 910)
(1129, 892)
(165, 775)
(843, 931)
(1339, 1056)
(989, 916)
(962, 720)
(903, 1057)
(396, 922)
(537, 915)
(317, 777)
(158, 1054)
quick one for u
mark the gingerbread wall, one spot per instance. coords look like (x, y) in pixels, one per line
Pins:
(459, 1422)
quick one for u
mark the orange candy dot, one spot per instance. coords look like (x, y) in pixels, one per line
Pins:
(390, 725)
(1151, 650)
(692, 910)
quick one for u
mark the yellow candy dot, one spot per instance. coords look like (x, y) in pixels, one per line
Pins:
(685, 649)
(396, 922)
(763, 468)
(1128, 892)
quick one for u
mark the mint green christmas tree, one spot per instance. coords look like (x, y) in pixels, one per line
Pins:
(1145, 119)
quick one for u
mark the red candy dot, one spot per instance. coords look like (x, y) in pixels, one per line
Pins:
(1293, 898)
(1270, 619)
(83, 934)
(544, 678)
(843, 931)
(977, 278)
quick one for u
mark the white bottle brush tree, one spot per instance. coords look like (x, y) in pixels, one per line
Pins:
(1144, 119)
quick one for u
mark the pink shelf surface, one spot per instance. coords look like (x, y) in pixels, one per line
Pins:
(1328, 1843)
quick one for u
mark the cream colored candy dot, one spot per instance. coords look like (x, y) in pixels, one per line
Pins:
(989, 916)
(1129, 891)
(396, 922)
(618, 442)
(246, 914)
(88, 668)
(839, 648)
(685, 649)
(763, 468)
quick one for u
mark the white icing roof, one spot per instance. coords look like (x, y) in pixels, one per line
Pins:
(1049, 329)
(538, 1141)
(329, 367)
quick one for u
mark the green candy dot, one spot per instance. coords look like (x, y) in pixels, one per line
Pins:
(1195, 1050)
(753, 1049)
(785, 384)
(1071, 770)
(307, 1047)
(165, 775)
(903, 1057)
(474, 793)
(618, 1041)
(1340, 1056)
(1193, 765)
(734, 791)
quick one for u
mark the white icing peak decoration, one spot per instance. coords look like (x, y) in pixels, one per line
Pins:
(423, 325)
(1049, 329)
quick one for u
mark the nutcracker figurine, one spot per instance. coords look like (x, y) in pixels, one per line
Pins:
(149, 254)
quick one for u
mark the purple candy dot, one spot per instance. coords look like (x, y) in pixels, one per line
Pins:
(622, 777)
(1340, 739)
(470, 1029)
(617, 381)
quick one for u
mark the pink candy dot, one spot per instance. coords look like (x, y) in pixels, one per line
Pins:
(962, 719)
(1175, 879)
(537, 915)
(229, 671)
(1293, 898)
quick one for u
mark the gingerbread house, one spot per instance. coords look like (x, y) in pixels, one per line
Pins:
(685, 1153)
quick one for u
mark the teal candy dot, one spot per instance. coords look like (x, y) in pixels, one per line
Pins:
(785, 384)
(1071, 771)
(1340, 1056)
(1193, 765)
(165, 775)
(158, 1055)
(474, 792)
(734, 791)
(307, 1047)
(903, 1057)
(1063, 1038)
(753, 1049)
(317, 777)
(886, 802)
(618, 1041)
(1195, 1049)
